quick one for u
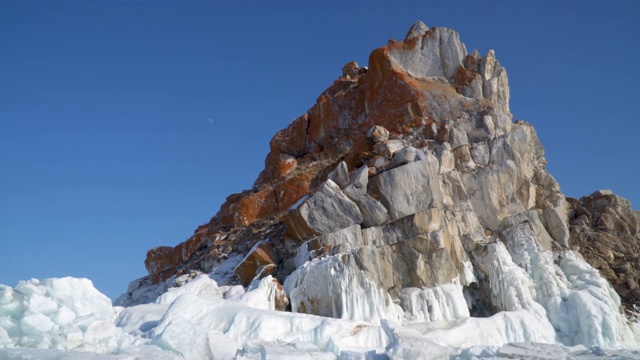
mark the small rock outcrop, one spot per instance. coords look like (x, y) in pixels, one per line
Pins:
(407, 186)
(606, 231)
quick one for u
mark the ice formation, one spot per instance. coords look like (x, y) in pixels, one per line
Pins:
(332, 288)
(68, 319)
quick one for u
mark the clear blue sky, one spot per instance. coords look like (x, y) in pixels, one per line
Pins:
(125, 124)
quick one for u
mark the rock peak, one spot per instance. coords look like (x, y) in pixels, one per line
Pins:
(417, 29)
(404, 176)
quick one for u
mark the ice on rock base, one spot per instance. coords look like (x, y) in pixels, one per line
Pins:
(191, 320)
(329, 287)
(441, 303)
(567, 296)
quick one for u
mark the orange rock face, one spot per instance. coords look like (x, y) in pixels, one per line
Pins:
(259, 262)
(162, 261)
(254, 206)
(292, 190)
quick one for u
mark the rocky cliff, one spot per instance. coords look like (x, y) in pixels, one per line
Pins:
(408, 193)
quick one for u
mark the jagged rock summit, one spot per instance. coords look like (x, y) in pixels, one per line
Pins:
(408, 194)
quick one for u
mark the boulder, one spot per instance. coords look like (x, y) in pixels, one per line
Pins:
(325, 211)
(408, 189)
(404, 156)
(556, 223)
(373, 212)
(340, 175)
(351, 70)
(388, 148)
(360, 178)
(259, 262)
(378, 134)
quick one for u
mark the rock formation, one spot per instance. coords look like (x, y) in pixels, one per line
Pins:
(408, 188)
(606, 231)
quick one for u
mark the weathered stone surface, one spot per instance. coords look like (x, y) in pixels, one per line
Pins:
(351, 69)
(417, 29)
(287, 164)
(377, 163)
(373, 212)
(259, 262)
(492, 192)
(159, 259)
(606, 231)
(437, 53)
(446, 158)
(480, 154)
(340, 175)
(292, 190)
(360, 178)
(331, 244)
(556, 223)
(292, 139)
(404, 156)
(378, 134)
(324, 212)
(163, 261)
(408, 189)
(431, 249)
(388, 148)
(255, 206)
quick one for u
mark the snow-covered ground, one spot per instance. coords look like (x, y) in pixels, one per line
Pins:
(67, 318)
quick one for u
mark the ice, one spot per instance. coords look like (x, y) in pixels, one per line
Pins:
(189, 320)
(548, 305)
(336, 290)
(201, 285)
(139, 319)
(441, 303)
(263, 294)
(580, 304)
(65, 314)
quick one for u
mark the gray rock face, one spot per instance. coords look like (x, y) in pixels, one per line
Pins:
(437, 53)
(324, 212)
(417, 29)
(606, 230)
(340, 175)
(360, 178)
(408, 189)
(337, 242)
(373, 212)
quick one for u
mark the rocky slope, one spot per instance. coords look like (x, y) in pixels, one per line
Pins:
(407, 193)
(606, 231)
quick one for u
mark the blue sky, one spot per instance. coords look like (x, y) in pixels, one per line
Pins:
(125, 124)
